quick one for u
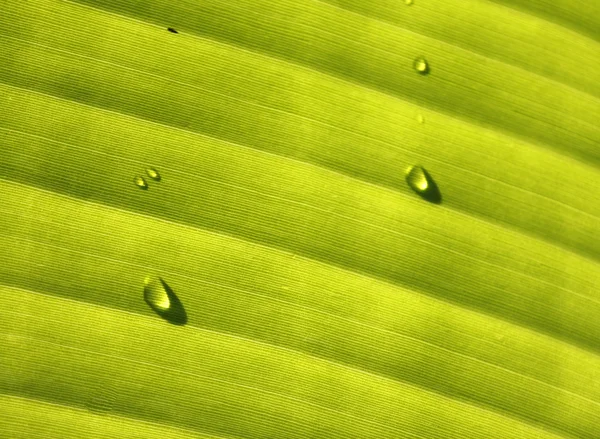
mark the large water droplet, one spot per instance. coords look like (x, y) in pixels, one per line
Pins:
(421, 66)
(153, 174)
(140, 182)
(156, 295)
(161, 298)
(421, 182)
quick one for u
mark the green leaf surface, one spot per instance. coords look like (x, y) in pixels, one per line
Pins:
(323, 297)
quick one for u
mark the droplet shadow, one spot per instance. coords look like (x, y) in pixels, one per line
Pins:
(175, 314)
(431, 193)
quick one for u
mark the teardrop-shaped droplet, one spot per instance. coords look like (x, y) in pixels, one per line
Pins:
(420, 181)
(421, 66)
(416, 179)
(153, 174)
(161, 298)
(140, 182)
(155, 294)
(408, 2)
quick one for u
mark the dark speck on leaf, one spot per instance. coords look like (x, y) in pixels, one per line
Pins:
(173, 30)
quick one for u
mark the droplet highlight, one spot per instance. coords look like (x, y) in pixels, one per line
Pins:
(153, 174)
(161, 298)
(140, 182)
(420, 181)
(421, 66)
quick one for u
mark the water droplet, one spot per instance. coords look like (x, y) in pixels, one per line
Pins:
(161, 298)
(420, 118)
(153, 174)
(408, 2)
(421, 66)
(416, 179)
(156, 295)
(140, 182)
(421, 182)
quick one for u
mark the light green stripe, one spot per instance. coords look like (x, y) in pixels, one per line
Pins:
(23, 418)
(150, 359)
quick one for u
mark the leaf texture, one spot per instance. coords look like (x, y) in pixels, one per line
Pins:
(325, 299)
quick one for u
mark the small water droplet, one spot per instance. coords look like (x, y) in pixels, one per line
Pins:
(153, 174)
(421, 66)
(172, 30)
(420, 118)
(161, 298)
(420, 181)
(408, 2)
(140, 182)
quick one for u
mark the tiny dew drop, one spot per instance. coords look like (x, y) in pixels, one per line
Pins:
(161, 298)
(420, 118)
(140, 182)
(421, 66)
(153, 174)
(408, 2)
(420, 181)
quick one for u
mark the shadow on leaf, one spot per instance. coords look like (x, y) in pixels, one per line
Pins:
(163, 300)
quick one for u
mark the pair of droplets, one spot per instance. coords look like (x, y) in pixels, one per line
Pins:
(141, 182)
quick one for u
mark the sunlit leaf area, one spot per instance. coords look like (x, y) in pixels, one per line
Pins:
(300, 219)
